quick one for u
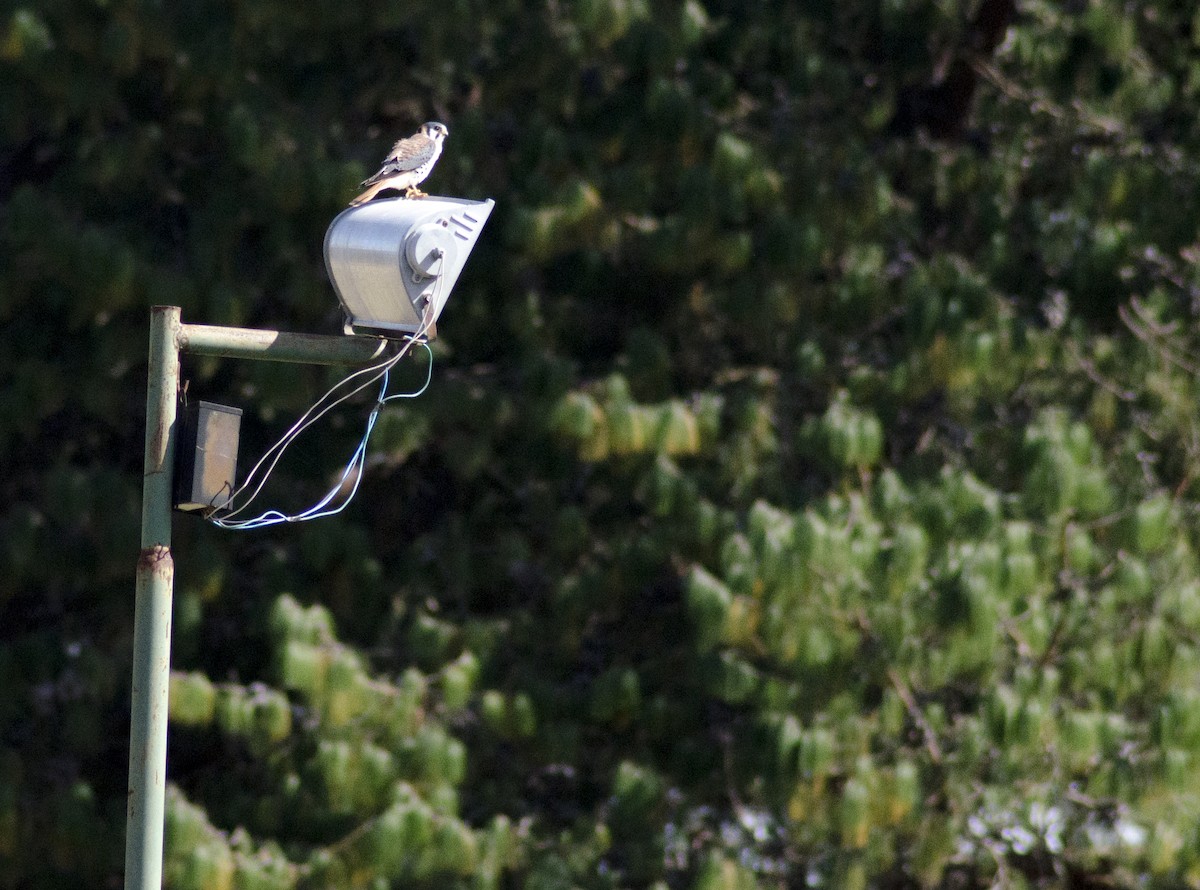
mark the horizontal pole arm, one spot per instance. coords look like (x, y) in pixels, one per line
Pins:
(278, 346)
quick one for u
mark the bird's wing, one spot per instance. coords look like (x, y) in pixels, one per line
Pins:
(407, 154)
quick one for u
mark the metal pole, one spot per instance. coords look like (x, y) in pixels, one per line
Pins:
(156, 569)
(279, 346)
(152, 614)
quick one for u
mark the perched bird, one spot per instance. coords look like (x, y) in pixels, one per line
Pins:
(408, 163)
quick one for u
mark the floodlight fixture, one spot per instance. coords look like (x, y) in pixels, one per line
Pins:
(393, 262)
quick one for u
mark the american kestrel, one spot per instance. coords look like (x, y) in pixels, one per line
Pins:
(408, 163)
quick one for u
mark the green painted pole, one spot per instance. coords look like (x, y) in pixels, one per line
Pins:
(156, 569)
(152, 614)
(279, 346)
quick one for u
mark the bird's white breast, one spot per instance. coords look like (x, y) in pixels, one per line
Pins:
(423, 171)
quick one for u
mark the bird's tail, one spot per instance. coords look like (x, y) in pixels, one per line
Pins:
(369, 194)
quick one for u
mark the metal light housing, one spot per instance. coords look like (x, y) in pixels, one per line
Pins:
(393, 262)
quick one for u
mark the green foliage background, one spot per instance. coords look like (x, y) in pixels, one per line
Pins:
(806, 492)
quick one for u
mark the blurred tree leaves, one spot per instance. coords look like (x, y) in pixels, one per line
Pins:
(806, 490)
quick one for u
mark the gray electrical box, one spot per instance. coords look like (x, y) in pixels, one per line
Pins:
(206, 456)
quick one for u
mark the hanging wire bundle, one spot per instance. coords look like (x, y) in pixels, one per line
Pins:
(336, 499)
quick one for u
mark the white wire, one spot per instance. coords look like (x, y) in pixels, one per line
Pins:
(357, 461)
(304, 422)
(356, 466)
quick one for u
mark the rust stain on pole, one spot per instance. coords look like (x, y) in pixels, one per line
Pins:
(157, 560)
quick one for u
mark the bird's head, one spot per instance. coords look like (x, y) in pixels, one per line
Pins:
(435, 131)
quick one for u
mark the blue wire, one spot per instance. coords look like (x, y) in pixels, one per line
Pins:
(357, 461)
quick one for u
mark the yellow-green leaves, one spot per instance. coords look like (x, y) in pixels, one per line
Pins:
(613, 425)
(257, 714)
(26, 35)
(1065, 474)
(199, 856)
(846, 437)
(573, 219)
